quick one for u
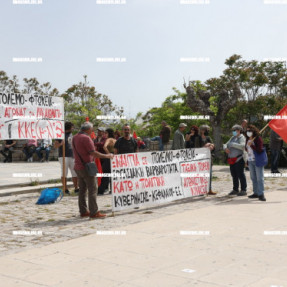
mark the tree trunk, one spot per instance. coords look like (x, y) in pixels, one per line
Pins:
(217, 141)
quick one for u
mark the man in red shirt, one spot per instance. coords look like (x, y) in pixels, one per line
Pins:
(84, 152)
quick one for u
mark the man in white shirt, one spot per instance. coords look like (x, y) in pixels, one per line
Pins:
(46, 146)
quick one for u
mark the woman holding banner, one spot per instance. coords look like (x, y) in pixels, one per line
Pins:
(192, 138)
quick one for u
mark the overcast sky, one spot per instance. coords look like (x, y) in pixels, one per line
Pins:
(152, 35)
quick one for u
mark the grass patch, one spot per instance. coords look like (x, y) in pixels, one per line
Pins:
(4, 203)
(147, 212)
(54, 181)
(34, 182)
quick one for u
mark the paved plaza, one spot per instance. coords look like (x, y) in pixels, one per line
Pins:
(202, 241)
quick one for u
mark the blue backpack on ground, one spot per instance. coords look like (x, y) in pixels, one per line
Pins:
(50, 195)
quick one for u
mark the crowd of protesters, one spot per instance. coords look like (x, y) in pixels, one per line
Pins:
(87, 146)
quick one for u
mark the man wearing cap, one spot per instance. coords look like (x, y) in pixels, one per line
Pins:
(178, 139)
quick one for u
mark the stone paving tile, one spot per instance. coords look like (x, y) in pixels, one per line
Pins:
(60, 222)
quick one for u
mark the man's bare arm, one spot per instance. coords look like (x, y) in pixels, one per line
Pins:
(101, 155)
(57, 144)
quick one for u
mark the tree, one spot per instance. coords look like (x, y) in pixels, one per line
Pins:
(170, 111)
(214, 99)
(11, 85)
(82, 100)
(241, 82)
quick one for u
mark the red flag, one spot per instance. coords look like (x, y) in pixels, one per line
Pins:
(279, 126)
(93, 136)
(135, 135)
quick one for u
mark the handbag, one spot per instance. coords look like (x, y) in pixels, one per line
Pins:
(261, 158)
(90, 167)
(232, 160)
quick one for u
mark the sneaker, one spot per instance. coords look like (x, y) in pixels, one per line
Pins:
(67, 191)
(42, 160)
(242, 193)
(233, 192)
(106, 192)
(253, 195)
(262, 198)
(98, 215)
(85, 214)
(77, 190)
(211, 193)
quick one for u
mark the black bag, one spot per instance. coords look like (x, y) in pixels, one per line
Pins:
(90, 167)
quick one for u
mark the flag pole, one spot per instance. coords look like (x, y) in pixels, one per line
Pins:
(264, 128)
(261, 132)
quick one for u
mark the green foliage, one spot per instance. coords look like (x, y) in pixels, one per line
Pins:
(257, 78)
(82, 100)
(170, 111)
(254, 111)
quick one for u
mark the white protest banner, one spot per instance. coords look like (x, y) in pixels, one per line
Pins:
(151, 178)
(31, 116)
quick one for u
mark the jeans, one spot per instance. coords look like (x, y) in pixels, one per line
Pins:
(237, 173)
(158, 138)
(275, 154)
(29, 150)
(39, 154)
(8, 155)
(257, 177)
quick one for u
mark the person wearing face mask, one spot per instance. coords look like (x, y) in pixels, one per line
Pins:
(255, 143)
(235, 148)
(206, 141)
